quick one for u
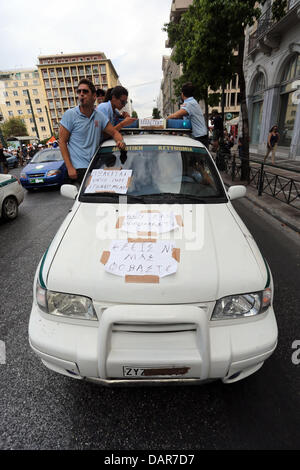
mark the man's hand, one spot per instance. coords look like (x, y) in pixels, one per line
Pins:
(72, 173)
(110, 130)
(121, 144)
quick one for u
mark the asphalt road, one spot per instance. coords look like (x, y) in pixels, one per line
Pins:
(40, 409)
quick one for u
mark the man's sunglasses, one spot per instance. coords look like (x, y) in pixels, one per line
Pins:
(83, 90)
(123, 102)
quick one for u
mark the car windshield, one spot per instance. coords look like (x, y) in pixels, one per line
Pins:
(153, 173)
(44, 156)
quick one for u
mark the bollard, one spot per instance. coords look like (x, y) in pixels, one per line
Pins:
(233, 165)
(261, 180)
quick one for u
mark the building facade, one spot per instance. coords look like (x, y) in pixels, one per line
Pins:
(272, 72)
(22, 95)
(61, 73)
(172, 71)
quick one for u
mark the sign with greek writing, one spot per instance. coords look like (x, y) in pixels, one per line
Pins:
(149, 222)
(154, 258)
(109, 180)
(152, 123)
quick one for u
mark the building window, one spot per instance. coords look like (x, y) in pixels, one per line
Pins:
(258, 101)
(288, 106)
(20, 111)
(10, 113)
(5, 93)
(41, 119)
(25, 83)
(15, 93)
(18, 103)
(37, 101)
(38, 110)
(34, 91)
(43, 128)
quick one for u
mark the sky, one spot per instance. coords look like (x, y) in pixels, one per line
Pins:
(128, 32)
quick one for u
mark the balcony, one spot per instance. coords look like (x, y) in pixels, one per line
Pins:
(269, 31)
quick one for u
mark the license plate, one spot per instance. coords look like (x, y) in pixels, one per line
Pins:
(154, 371)
(36, 180)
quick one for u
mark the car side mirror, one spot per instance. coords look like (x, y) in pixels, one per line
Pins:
(235, 192)
(69, 190)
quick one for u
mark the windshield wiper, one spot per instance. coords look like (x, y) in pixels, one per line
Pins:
(177, 196)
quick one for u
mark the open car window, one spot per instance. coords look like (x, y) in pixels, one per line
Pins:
(148, 173)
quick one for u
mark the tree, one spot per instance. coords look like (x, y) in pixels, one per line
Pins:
(14, 126)
(204, 42)
(156, 113)
(134, 114)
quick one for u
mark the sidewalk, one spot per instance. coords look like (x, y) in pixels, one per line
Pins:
(281, 211)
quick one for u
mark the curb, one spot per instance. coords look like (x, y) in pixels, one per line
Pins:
(271, 212)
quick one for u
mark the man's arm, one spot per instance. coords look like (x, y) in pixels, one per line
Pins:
(64, 136)
(126, 122)
(115, 134)
(179, 114)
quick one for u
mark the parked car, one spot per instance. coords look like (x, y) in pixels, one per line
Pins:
(11, 196)
(46, 168)
(11, 160)
(153, 278)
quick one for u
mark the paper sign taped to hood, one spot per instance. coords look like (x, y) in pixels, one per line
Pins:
(156, 258)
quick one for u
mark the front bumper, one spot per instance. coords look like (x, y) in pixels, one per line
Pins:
(171, 344)
(47, 181)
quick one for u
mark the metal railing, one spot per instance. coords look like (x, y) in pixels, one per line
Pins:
(266, 21)
(282, 187)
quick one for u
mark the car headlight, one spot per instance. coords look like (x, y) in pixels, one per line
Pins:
(65, 305)
(243, 305)
(53, 172)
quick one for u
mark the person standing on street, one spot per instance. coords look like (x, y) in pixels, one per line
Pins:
(191, 108)
(3, 162)
(218, 129)
(273, 139)
(81, 131)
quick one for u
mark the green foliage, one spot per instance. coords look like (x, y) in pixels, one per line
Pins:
(14, 126)
(279, 8)
(134, 114)
(156, 113)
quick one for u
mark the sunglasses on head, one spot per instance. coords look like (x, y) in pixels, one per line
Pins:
(83, 90)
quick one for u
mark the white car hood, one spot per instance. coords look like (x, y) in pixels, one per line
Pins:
(226, 262)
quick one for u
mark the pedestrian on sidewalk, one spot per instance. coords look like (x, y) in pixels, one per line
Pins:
(273, 139)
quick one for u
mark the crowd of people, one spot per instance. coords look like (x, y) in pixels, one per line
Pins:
(100, 114)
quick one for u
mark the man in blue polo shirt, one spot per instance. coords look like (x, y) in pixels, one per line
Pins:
(81, 130)
(118, 97)
(190, 108)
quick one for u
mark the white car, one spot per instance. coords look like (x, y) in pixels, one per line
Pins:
(153, 277)
(11, 196)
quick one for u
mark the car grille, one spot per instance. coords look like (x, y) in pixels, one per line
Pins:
(35, 175)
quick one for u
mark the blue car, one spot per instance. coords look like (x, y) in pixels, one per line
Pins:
(47, 168)
(11, 160)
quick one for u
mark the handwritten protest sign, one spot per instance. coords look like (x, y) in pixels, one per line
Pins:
(148, 258)
(149, 222)
(109, 180)
(152, 123)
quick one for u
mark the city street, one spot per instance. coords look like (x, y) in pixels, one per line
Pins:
(40, 409)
